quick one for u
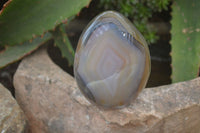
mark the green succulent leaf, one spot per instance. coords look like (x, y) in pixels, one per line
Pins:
(14, 53)
(63, 43)
(22, 20)
(185, 40)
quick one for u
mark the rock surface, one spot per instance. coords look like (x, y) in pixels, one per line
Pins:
(12, 118)
(53, 103)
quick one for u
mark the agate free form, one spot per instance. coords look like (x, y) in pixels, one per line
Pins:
(112, 62)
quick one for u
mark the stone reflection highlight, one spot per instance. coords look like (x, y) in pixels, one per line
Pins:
(112, 62)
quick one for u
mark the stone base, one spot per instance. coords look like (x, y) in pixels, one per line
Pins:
(12, 118)
(53, 103)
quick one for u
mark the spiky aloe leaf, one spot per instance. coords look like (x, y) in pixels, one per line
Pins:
(14, 53)
(63, 43)
(185, 39)
(21, 20)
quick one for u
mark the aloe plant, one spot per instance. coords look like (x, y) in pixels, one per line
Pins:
(62, 42)
(185, 41)
(23, 24)
(16, 52)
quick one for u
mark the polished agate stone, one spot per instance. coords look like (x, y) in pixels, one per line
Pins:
(112, 62)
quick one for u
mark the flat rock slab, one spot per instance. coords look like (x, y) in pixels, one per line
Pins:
(12, 118)
(53, 104)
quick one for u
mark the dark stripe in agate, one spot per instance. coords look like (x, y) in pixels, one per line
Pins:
(82, 85)
(99, 26)
(124, 35)
(132, 41)
(120, 31)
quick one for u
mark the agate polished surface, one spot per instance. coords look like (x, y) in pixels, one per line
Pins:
(112, 62)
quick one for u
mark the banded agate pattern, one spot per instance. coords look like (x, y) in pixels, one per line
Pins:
(112, 61)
